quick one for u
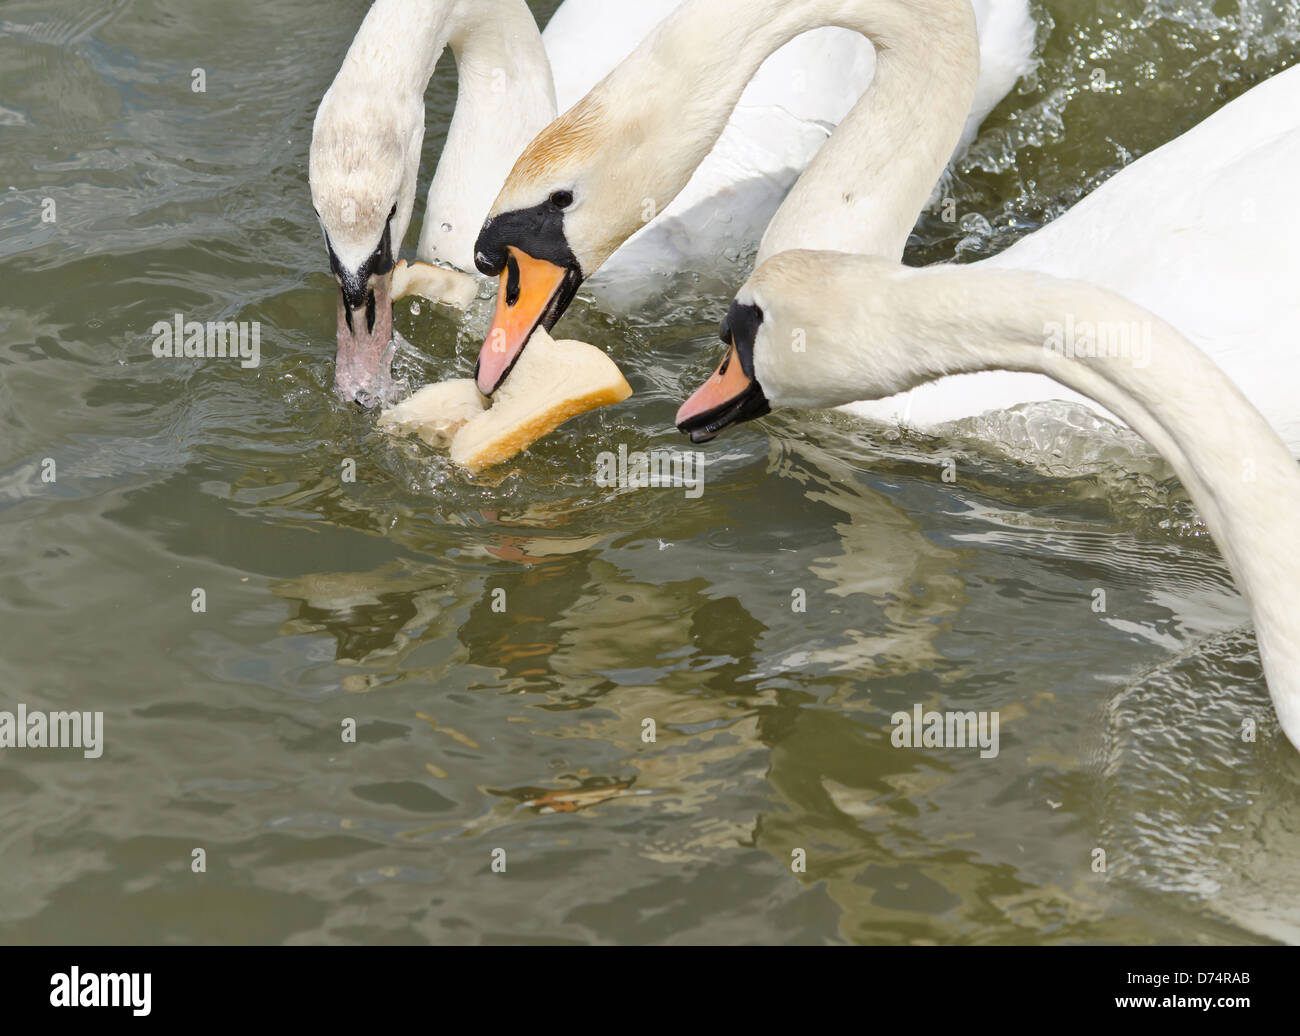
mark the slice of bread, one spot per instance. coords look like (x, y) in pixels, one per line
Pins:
(551, 382)
(435, 283)
(437, 412)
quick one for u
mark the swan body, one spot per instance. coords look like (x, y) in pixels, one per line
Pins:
(1198, 233)
(871, 328)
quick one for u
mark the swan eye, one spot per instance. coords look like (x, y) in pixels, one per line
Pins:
(562, 199)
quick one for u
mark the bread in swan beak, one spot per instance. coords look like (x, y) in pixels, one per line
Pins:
(436, 412)
(438, 284)
(551, 382)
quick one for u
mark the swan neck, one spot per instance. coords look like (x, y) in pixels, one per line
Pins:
(498, 45)
(496, 42)
(865, 187)
(398, 45)
(1239, 473)
(505, 96)
(682, 84)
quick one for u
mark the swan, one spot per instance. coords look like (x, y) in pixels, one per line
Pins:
(368, 129)
(590, 180)
(365, 156)
(820, 329)
(1198, 233)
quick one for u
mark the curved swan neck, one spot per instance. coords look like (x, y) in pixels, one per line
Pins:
(674, 94)
(497, 44)
(505, 97)
(398, 46)
(865, 187)
(1238, 471)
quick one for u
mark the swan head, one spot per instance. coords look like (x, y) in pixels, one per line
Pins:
(363, 164)
(733, 394)
(810, 330)
(569, 203)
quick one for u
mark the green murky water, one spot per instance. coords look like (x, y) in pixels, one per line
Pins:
(373, 600)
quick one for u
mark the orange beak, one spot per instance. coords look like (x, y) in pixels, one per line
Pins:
(532, 291)
(728, 397)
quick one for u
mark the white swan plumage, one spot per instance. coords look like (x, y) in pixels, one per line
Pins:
(1199, 232)
(870, 328)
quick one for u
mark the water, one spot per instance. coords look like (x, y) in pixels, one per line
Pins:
(373, 600)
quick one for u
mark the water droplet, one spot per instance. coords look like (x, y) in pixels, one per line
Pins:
(446, 228)
(415, 309)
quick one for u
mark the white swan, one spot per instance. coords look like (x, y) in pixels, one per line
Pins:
(820, 329)
(365, 154)
(1199, 232)
(369, 127)
(594, 177)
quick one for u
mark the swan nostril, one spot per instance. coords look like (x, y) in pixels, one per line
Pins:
(512, 281)
(370, 312)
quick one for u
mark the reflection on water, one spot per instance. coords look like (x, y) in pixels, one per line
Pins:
(651, 703)
(1210, 821)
